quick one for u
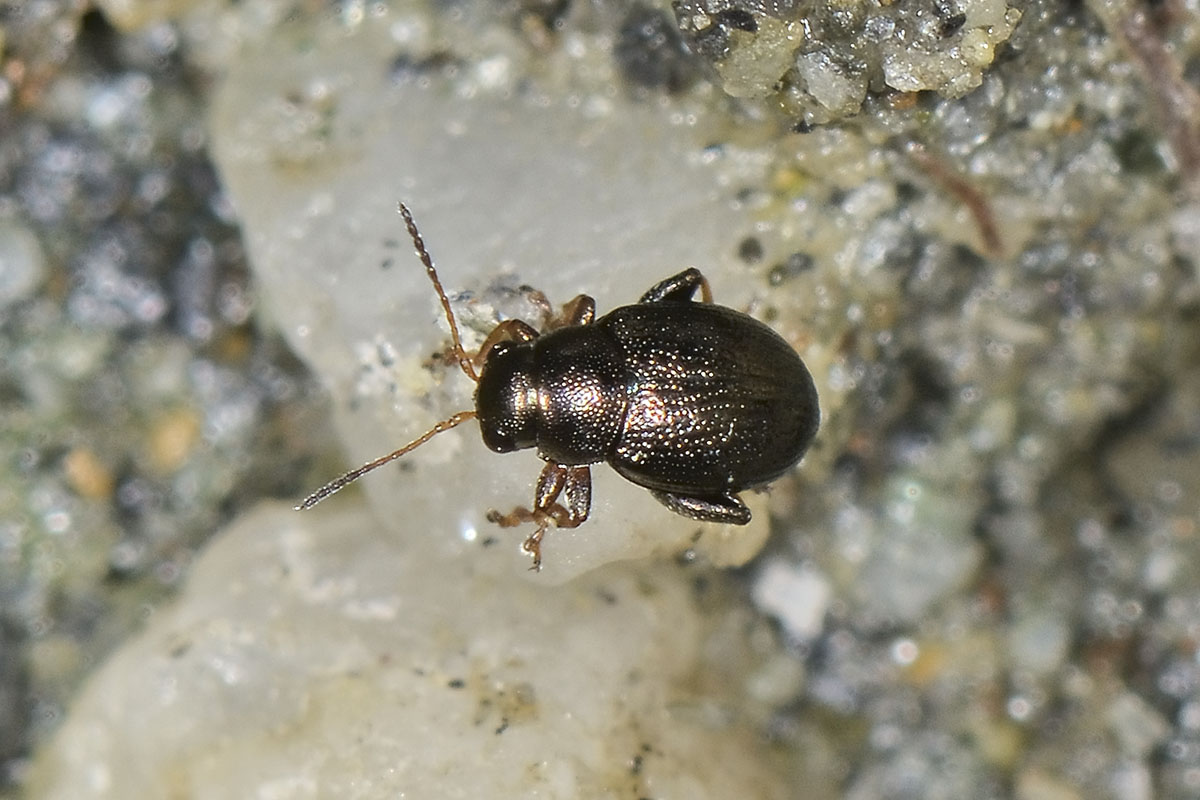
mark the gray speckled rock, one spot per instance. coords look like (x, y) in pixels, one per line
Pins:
(22, 264)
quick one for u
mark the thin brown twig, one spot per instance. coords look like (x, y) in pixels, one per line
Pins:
(966, 193)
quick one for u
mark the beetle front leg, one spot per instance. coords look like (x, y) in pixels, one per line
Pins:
(679, 288)
(511, 330)
(573, 483)
(581, 310)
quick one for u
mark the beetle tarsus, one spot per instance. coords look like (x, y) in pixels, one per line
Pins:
(520, 515)
(533, 544)
(575, 483)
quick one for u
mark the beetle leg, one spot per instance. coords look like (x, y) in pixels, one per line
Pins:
(727, 508)
(545, 509)
(579, 311)
(679, 288)
(510, 330)
(538, 298)
(578, 492)
(575, 483)
(555, 480)
(541, 515)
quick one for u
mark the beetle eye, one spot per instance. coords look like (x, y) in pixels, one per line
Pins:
(498, 349)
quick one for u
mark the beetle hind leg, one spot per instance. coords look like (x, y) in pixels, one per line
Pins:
(573, 483)
(679, 288)
(727, 508)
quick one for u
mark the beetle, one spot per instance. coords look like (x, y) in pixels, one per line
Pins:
(693, 401)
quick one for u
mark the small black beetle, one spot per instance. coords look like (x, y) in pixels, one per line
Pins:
(694, 401)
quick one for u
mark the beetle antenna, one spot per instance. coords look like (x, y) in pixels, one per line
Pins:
(464, 361)
(354, 474)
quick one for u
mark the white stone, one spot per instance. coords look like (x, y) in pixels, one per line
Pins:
(309, 657)
(798, 598)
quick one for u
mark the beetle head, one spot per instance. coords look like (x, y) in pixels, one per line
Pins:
(506, 400)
